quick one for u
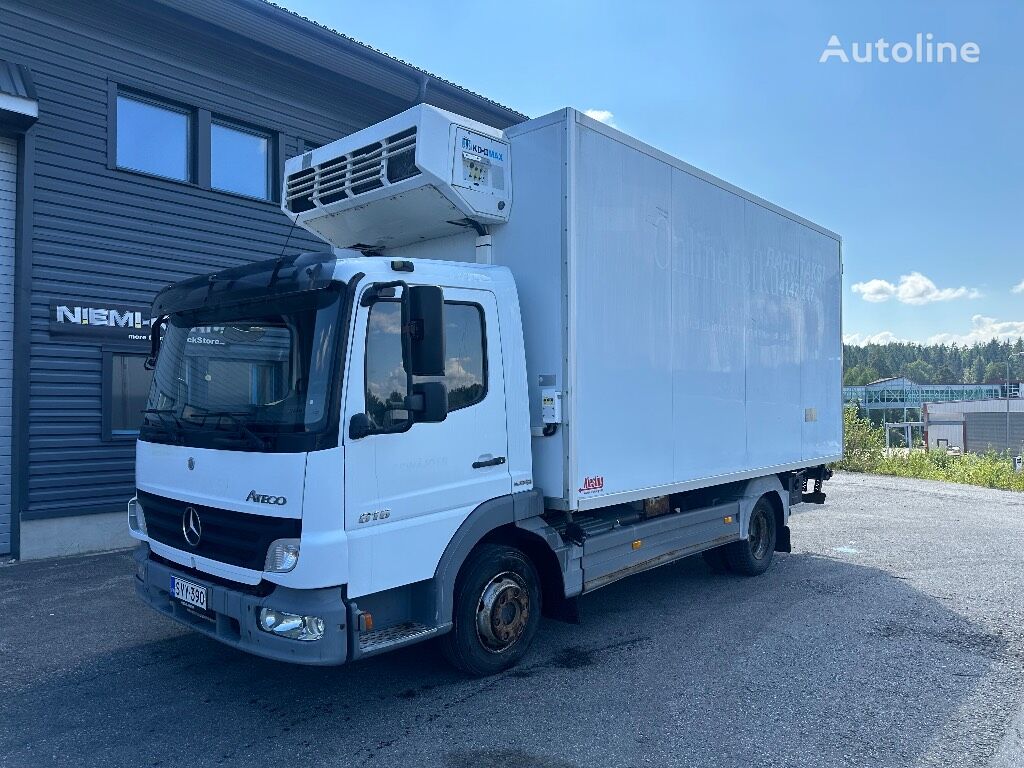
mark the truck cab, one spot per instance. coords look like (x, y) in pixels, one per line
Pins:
(282, 450)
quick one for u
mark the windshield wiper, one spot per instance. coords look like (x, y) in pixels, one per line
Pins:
(243, 428)
(162, 413)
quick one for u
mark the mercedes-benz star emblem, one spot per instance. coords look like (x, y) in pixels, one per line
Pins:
(191, 526)
(191, 463)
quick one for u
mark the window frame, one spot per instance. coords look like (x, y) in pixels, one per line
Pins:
(107, 433)
(201, 121)
(272, 154)
(485, 373)
(191, 133)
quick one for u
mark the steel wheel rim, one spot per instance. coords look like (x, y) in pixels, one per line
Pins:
(502, 612)
(758, 535)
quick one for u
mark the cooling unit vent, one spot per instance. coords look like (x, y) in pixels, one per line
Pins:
(371, 167)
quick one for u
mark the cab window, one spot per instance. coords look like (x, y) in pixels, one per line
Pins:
(465, 361)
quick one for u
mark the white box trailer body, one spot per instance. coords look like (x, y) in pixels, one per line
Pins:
(691, 329)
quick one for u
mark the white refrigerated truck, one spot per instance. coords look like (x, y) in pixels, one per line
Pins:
(536, 361)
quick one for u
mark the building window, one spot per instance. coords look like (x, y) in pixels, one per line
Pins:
(465, 361)
(153, 137)
(239, 161)
(126, 383)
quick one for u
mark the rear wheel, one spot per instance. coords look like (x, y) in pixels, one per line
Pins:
(753, 555)
(496, 611)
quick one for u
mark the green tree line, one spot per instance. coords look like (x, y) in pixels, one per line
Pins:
(934, 363)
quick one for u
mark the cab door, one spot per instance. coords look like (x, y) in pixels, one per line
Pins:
(410, 486)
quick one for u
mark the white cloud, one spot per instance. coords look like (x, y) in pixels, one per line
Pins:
(983, 329)
(875, 291)
(914, 289)
(860, 340)
(602, 116)
(1019, 287)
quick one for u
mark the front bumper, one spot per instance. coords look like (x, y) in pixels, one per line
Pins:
(233, 613)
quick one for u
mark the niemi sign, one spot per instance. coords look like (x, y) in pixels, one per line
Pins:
(110, 321)
(117, 321)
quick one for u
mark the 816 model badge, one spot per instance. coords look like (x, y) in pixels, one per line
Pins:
(379, 514)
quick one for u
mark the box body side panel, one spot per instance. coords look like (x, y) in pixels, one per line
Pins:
(621, 385)
(706, 327)
(709, 329)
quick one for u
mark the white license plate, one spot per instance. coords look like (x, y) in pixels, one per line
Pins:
(188, 593)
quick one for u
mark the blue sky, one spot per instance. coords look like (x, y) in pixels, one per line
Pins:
(919, 166)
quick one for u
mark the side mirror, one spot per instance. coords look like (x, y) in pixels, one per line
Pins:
(423, 330)
(428, 402)
(359, 426)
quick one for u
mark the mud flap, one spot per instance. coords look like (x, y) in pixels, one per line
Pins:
(782, 540)
(567, 609)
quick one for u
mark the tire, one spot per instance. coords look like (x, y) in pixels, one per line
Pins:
(496, 611)
(753, 555)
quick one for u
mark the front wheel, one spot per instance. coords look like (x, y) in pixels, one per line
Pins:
(753, 555)
(496, 611)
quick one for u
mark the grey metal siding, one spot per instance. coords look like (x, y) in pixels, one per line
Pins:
(8, 200)
(105, 235)
(986, 431)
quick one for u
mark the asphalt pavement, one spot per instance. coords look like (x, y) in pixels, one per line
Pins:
(893, 635)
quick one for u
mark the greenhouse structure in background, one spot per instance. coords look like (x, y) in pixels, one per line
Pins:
(935, 415)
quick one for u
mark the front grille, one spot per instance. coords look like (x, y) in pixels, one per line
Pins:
(235, 538)
(355, 173)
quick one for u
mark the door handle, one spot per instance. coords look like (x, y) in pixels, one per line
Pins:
(496, 461)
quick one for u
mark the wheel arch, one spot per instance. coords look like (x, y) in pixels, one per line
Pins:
(494, 522)
(771, 487)
(552, 586)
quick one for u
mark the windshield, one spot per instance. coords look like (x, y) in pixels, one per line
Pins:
(257, 376)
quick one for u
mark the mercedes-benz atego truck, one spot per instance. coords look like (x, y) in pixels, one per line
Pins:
(535, 361)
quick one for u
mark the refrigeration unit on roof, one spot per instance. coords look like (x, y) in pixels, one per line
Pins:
(422, 174)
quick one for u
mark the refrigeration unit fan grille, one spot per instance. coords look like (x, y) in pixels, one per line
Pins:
(355, 173)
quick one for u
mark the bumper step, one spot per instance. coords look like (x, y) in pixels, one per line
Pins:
(380, 640)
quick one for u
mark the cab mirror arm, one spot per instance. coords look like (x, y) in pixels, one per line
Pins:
(428, 403)
(359, 426)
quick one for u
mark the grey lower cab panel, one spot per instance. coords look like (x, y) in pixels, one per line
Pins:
(616, 554)
(233, 615)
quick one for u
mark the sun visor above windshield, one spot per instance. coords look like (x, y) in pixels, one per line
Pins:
(260, 280)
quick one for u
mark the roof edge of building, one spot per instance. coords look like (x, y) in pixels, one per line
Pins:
(417, 78)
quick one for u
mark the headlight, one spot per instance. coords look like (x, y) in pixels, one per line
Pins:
(291, 625)
(282, 556)
(136, 517)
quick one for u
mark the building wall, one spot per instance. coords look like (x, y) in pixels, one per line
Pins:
(986, 431)
(976, 425)
(8, 207)
(956, 410)
(951, 433)
(101, 235)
